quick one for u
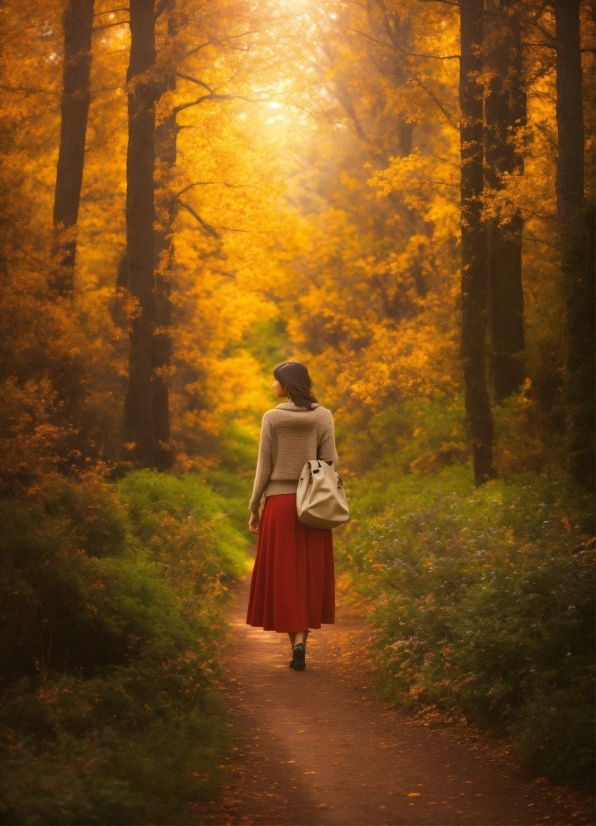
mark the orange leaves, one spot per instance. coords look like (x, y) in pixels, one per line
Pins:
(417, 178)
(30, 443)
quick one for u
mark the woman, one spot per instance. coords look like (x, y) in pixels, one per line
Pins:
(293, 585)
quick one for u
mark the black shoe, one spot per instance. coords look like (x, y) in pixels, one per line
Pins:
(299, 657)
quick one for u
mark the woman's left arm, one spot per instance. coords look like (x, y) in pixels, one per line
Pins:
(326, 449)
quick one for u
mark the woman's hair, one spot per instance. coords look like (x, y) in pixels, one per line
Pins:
(293, 375)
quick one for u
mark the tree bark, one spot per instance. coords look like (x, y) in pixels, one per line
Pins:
(505, 112)
(473, 242)
(164, 253)
(166, 151)
(577, 256)
(140, 219)
(78, 29)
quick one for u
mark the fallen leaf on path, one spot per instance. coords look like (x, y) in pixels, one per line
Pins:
(321, 806)
(414, 794)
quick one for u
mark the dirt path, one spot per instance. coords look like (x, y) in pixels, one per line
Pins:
(318, 748)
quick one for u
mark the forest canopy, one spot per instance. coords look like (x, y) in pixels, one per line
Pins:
(332, 181)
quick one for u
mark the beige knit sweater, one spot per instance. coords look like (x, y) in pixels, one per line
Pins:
(290, 436)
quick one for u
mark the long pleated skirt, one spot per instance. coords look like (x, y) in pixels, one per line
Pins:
(293, 582)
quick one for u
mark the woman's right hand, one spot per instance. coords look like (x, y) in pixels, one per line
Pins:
(253, 522)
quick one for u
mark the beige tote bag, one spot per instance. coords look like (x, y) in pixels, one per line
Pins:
(320, 499)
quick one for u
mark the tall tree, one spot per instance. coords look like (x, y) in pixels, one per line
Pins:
(505, 112)
(166, 207)
(576, 223)
(78, 30)
(140, 241)
(473, 241)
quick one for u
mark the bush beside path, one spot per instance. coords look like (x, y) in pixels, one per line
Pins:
(110, 634)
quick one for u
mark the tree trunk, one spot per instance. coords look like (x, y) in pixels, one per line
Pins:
(140, 219)
(473, 242)
(505, 112)
(577, 264)
(78, 29)
(166, 140)
(167, 207)
(164, 252)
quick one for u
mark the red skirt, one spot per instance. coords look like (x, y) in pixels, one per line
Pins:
(293, 582)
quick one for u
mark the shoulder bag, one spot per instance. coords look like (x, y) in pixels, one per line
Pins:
(321, 499)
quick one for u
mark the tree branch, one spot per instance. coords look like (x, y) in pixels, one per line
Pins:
(207, 227)
(161, 5)
(110, 25)
(216, 41)
(446, 113)
(111, 11)
(29, 90)
(198, 48)
(217, 97)
(207, 183)
(223, 272)
(194, 80)
(395, 47)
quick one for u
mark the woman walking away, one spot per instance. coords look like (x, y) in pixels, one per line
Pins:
(293, 585)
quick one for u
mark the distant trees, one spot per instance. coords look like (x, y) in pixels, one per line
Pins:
(390, 79)
(504, 113)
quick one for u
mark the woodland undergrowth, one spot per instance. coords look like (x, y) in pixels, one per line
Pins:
(111, 596)
(482, 599)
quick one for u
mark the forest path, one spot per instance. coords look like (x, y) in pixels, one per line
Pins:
(318, 747)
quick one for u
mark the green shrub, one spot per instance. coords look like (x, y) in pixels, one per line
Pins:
(63, 783)
(109, 633)
(135, 746)
(185, 525)
(234, 475)
(484, 606)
